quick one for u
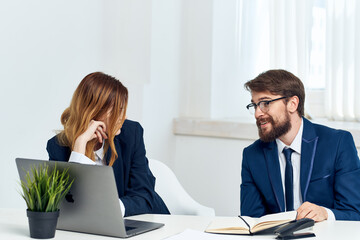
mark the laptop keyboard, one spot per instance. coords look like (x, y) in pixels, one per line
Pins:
(131, 224)
(135, 227)
(128, 228)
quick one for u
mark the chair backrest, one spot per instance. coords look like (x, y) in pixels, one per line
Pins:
(177, 200)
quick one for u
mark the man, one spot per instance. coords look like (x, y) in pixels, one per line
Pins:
(296, 165)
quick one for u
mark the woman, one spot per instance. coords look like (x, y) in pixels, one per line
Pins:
(96, 132)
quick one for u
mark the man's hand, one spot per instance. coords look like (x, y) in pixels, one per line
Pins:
(313, 211)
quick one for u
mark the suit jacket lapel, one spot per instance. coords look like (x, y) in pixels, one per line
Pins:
(308, 149)
(273, 166)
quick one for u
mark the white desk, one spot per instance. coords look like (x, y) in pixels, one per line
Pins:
(14, 226)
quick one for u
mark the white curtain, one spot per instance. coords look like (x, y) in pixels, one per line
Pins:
(275, 34)
(343, 60)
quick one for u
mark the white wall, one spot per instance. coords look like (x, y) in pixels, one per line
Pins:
(209, 168)
(46, 48)
(161, 95)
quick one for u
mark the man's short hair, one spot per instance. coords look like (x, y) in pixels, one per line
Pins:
(279, 82)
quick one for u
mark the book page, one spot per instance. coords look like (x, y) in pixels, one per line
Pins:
(277, 216)
(272, 220)
(233, 225)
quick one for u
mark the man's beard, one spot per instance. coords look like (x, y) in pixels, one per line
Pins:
(277, 130)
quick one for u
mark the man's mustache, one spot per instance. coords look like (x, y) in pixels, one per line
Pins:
(260, 120)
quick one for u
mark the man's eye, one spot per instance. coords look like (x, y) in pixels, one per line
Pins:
(266, 103)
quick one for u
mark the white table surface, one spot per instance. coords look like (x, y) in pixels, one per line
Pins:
(14, 226)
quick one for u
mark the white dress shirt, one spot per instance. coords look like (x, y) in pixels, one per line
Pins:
(296, 163)
(99, 160)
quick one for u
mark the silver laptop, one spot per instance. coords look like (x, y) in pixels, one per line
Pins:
(92, 205)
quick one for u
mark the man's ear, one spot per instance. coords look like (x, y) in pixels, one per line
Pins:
(293, 104)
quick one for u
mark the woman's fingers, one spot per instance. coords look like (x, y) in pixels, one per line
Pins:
(99, 137)
(100, 124)
(99, 129)
(102, 132)
(96, 129)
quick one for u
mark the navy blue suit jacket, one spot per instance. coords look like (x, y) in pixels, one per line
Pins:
(134, 180)
(329, 174)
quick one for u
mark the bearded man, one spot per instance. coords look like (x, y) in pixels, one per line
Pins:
(296, 165)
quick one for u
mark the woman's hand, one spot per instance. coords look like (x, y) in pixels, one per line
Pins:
(96, 129)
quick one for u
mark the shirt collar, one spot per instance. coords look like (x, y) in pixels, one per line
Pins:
(296, 144)
(100, 152)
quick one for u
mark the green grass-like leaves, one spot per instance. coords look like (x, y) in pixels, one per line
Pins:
(44, 191)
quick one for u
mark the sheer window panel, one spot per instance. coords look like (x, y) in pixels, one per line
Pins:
(342, 60)
(317, 40)
(275, 35)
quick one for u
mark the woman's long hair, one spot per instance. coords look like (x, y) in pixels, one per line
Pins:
(96, 96)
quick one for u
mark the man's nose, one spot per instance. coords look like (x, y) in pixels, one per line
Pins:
(258, 113)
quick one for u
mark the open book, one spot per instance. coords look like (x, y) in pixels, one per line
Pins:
(248, 225)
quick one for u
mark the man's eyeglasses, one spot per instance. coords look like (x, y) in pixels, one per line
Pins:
(263, 105)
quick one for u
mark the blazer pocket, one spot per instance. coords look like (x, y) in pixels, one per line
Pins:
(320, 178)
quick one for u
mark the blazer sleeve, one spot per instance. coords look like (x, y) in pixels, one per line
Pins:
(56, 151)
(251, 203)
(347, 180)
(140, 196)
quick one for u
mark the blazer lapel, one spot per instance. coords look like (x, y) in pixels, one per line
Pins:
(308, 149)
(273, 166)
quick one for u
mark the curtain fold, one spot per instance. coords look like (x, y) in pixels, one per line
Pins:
(290, 27)
(342, 60)
(275, 34)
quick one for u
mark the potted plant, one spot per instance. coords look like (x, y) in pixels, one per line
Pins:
(43, 190)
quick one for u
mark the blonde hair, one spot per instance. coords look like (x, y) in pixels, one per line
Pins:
(96, 95)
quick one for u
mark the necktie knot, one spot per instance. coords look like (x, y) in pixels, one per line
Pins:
(287, 152)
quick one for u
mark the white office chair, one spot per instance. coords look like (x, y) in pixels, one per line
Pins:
(177, 200)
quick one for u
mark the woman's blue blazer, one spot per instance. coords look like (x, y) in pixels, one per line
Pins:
(134, 180)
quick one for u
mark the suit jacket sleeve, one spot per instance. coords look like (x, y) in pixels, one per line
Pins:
(56, 151)
(251, 200)
(347, 181)
(140, 196)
